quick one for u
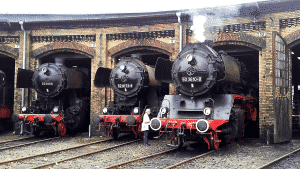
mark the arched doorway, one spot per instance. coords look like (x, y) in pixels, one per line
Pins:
(295, 56)
(7, 65)
(81, 97)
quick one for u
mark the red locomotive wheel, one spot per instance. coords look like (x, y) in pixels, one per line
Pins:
(62, 129)
(214, 141)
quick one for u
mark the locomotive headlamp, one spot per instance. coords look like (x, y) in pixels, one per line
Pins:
(191, 60)
(24, 109)
(44, 69)
(163, 110)
(32, 110)
(105, 110)
(207, 111)
(136, 110)
(55, 109)
(189, 57)
(122, 67)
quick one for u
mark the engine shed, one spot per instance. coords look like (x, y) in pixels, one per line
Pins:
(264, 36)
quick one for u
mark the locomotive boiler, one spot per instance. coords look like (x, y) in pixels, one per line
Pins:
(215, 99)
(62, 98)
(5, 105)
(135, 89)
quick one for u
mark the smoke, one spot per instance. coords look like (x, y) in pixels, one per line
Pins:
(218, 17)
(198, 27)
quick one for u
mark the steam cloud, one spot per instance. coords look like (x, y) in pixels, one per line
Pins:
(204, 18)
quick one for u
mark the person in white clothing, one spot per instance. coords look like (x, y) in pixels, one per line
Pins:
(145, 126)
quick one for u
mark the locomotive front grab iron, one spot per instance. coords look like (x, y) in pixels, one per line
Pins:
(135, 89)
(62, 98)
(215, 102)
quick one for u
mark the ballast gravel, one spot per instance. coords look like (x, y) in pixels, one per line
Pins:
(247, 153)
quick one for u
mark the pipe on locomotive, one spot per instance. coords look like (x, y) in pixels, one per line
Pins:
(180, 30)
(24, 59)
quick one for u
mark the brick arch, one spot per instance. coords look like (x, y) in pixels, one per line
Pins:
(241, 39)
(9, 51)
(63, 47)
(293, 38)
(151, 44)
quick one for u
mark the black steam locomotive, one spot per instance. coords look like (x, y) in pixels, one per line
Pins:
(135, 89)
(62, 97)
(216, 99)
(5, 105)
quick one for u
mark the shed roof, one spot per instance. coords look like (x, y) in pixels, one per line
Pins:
(10, 22)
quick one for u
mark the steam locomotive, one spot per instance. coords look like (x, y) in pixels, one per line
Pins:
(5, 106)
(216, 98)
(62, 98)
(135, 89)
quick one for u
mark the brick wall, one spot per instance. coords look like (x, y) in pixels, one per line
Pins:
(101, 50)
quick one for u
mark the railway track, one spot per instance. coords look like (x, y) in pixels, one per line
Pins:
(156, 160)
(140, 159)
(30, 160)
(190, 159)
(83, 155)
(278, 159)
(10, 144)
(12, 140)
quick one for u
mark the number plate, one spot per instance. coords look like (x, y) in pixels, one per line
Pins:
(191, 79)
(123, 86)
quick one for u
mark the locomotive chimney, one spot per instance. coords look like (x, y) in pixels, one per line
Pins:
(137, 56)
(59, 61)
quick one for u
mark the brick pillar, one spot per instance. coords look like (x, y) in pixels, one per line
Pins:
(97, 96)
(266, 92)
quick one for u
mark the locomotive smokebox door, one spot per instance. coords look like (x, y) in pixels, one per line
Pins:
(193, 71)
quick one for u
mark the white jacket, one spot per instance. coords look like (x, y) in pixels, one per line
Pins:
(146, 122)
